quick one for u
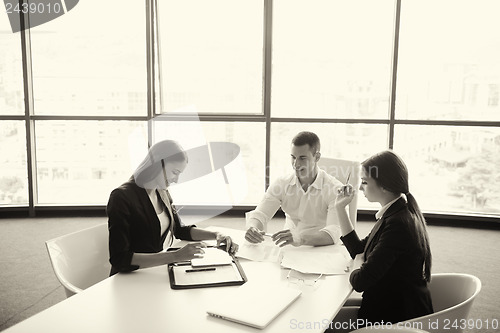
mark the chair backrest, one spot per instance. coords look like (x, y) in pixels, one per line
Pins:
(80, 259)
(341, 169)
(452, 297)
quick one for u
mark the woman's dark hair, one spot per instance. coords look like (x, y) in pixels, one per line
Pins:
(390, 172)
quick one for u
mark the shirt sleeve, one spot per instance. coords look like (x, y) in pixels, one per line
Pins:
(269, 205)
(118, 211)
(332, 226)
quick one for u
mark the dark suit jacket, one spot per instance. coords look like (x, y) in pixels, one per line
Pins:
(391, 278)
(134, 226)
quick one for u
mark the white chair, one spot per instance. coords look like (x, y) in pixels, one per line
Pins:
(341, 169)
(80, 259)
(452, 297)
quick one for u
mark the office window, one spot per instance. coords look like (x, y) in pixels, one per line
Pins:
(452, 168)
(344, 141)
(494, 94)
(81, 162)
(449, 67)
(14, 177)
(331, 59)
(91, 61)
(246, 173)
(210, 55)
(11, 71)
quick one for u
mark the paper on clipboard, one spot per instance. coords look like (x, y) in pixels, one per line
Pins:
(221, 274)
(212, 257)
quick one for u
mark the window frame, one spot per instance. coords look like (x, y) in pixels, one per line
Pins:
(153, 72)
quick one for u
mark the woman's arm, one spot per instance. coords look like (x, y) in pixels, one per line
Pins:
(188, 252)
(119, 215)
(201, 234)
(344, 220)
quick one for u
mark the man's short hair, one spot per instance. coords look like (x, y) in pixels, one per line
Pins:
(307, 138)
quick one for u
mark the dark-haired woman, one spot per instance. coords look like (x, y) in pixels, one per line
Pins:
(141, 217)
(397, 256)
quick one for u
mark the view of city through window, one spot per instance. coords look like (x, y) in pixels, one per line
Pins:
(450, 72)
(330, 61)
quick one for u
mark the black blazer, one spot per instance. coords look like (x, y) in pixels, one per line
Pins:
(391, 278)
(134, 226)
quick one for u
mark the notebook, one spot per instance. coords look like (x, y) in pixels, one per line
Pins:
(253, 305)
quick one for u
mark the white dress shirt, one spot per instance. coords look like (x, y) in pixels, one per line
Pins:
(310, 210)
(382, 210)
(162, 214)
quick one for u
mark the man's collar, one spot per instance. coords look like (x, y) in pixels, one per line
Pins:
(317, 183)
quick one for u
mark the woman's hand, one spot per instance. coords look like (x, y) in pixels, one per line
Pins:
(190, 251)
(345, 194)
(231, 247)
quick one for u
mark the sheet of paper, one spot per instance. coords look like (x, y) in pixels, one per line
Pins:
(212, 257)
(319, 260)
(266, 251)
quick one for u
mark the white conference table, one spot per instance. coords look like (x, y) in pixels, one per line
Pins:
(142, 301)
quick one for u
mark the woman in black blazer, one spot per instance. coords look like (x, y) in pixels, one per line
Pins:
(396, 254)
(142, 218)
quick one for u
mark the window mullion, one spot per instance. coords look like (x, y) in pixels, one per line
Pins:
(28, 109)
(268, 36)
(392, 110)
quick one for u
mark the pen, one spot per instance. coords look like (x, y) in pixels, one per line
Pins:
(200, 270)
(348, 176)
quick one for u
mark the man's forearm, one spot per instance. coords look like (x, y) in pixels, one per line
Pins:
(255, 223)
(316, 238)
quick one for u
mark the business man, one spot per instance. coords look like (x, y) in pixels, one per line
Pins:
(306, 196)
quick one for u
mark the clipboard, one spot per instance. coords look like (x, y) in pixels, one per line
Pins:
(217, 276)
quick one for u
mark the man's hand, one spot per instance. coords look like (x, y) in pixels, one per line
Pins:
(286, 237)
(254, 235)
